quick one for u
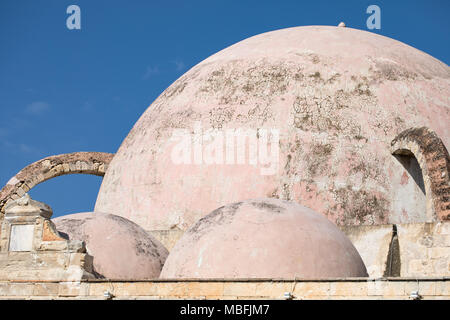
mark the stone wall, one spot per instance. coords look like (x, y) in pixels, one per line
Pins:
(32, 249)
(167, 237)
(388, 288)
(372, 243)
(406, 250)
(417, 249)
(424, 249)
(69, 265)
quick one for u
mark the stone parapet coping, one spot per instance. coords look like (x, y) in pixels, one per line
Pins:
(277, 280)
(231, 289)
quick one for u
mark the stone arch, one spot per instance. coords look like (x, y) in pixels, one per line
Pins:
(94, 163)
(433, 159)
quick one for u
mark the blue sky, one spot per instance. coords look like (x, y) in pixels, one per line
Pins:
(82, 90)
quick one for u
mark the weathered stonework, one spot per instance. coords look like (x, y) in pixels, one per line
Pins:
(337, 111)
(167, 237)
(372, 243)
(429, 150)
(424, 249)
(94, 163)
(37, 252)
(403, 250)
(223, 289)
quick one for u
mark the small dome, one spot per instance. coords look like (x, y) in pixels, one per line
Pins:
(121, 249)
(264, 238)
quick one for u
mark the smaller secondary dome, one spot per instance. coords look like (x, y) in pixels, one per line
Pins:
(121, 249)
(263, 238)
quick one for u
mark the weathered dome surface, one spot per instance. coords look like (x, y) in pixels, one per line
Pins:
(263, 238)
(121, 249)
(338, 96)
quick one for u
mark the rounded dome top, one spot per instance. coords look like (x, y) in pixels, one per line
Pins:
(263, 238)
(351, 48)
(121, 249)
(335, 96)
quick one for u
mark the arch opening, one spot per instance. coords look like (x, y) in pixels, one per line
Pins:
(422, 145)
(68, 194)
(412, 166)
(93, 163)
(409, 194)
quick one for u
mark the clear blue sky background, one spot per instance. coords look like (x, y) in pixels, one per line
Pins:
(82, 90)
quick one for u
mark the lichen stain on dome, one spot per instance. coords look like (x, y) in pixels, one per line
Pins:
(338, 97)
(125, 242)
(263, 238)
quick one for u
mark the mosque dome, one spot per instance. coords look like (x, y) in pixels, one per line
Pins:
(263, 238)
(330, 98)
(121, 249)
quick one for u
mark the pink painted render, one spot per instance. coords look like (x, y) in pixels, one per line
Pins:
(338, 96)
(263, 238)
(121, 249)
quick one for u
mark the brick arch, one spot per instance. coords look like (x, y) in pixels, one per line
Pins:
(434, 161)
(94, 163)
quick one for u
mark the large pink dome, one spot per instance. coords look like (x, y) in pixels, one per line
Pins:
(121, 249)
(263, 238)
(337, 96)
